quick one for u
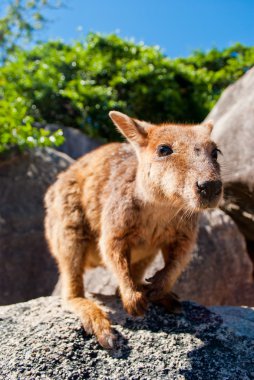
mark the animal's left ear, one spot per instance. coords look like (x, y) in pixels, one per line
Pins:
(209, 125)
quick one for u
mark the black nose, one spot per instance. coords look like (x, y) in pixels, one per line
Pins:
(209, 189)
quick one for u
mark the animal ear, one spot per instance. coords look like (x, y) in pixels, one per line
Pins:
(134, 130)
(209, 124)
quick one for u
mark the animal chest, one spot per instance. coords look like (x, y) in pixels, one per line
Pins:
(150, 235)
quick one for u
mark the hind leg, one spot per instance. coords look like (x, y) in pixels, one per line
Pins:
(94, 320)
(68, 240)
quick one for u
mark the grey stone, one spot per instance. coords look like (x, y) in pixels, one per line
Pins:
(26, 267)
(39, 340)
(221, 270)
(76, 143)
(238, 319)
(234, 132)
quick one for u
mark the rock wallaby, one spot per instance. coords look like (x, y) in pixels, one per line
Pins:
(122, 203)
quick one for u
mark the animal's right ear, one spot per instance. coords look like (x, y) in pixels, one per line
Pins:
(134, 130)
(209, 125)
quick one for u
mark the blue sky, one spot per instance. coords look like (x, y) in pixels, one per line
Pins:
(179, 26)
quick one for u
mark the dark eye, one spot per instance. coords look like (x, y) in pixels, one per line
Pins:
(215, 153)
(164, 150)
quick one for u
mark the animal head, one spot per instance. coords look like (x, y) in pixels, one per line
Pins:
(176, 163)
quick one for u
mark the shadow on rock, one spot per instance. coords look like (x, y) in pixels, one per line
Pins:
(40, 340)
(219, 352)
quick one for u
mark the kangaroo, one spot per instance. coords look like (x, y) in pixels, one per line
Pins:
(121, 204)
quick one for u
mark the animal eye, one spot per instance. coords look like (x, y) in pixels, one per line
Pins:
(164, 150)
(215, 153)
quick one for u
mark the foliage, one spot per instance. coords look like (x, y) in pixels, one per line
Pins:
(16, 128)
(20, 21)
(77, 85)
(22, 18)
(216, 70)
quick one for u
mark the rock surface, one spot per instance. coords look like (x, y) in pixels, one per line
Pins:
(26, 268)
(221, 270)
(40, 341)
(76, 143)
(239, 319)
(219, 273)
(234, 132)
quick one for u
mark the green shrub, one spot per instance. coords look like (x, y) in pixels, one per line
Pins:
(77, 85)
(17, 131)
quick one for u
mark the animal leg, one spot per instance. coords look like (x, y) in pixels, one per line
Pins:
(138, 269)
(93, 318)
(116, 255)
(176, 257)
(67, 236)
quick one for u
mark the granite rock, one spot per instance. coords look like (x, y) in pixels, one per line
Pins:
(27, 270)
(39, 340)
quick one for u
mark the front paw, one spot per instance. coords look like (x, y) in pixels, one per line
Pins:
(170, 303)
(154, 291)
(135, 303)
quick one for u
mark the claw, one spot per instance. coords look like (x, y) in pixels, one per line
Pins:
(174, 295)
(108, 341)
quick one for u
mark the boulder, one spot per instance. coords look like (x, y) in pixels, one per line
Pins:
(39, 340)
(76, 143)
(220, 272)
(26, 267)
(234, 132)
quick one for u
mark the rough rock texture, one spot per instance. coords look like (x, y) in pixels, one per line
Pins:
(76, 143)
(26, 268)
(40, 341)
(219, 274)
(221, 270)
(234, 132)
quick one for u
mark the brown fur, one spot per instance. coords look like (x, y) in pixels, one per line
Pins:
(119, 205)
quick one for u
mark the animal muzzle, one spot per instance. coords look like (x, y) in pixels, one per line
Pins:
(209, 190)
